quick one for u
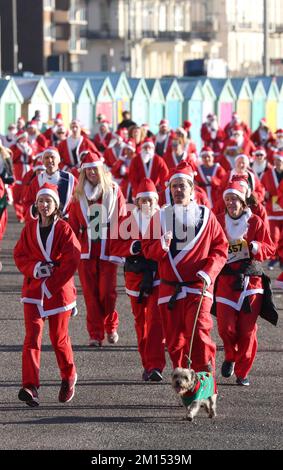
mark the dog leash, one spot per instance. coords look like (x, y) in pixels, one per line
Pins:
(195, 322)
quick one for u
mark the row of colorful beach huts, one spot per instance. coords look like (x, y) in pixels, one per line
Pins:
(84, 95)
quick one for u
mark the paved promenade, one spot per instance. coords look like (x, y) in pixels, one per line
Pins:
(113, 408)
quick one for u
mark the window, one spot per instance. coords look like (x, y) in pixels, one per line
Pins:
(162, 18)
(179, 18)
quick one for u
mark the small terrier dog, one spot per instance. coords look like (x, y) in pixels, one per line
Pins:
(196, 390)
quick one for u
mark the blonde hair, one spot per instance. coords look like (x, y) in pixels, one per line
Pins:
(105, 180)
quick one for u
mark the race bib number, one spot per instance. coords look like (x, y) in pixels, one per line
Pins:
(275, 205)
(238, 249)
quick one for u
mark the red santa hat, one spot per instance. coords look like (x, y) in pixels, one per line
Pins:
(38, 165)
(206, 149)
(32, 124)
(187, 125)
(238, 188)
(263, 121)
(278, 156)
(58, 119)
(237, 128)
(51, 190)
(61, 129)
(105, 122)
(183, 170)
(37, 156)
(147, 188)
(279, 132)
(51, 151)
(259, 151)
(148, 142)
(244, 157)
(164, 122)
(90, 160)
(21, 134)
(244, 182)
(21, 118)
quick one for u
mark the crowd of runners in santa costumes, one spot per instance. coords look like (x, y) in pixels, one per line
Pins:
(106, 168)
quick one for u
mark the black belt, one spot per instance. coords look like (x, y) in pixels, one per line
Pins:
(178, 288)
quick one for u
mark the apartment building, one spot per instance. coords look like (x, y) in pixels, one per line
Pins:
(153, 38)
(42, 35)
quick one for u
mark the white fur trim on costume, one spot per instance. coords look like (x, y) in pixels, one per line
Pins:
(255, 247)
(45, 290)
(51, 193)
(54, 311)
(183, 294)
(205, 276)
(35, 269)
(234, 191)
(163, 244)
(182, 175)
(92, 164)
(147, 194)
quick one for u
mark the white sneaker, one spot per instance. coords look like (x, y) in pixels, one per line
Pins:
(113, 338)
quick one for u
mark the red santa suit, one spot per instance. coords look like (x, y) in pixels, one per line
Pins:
(53, 297)
(70, 150)
(154, 168)
(102, 140)
(271, 180)
(22, 158)
(172, 159)
(262, 136)
(148, 324)
(183, 267)
(120, 171)
(231, 150)
(239, 299)
(256, 187)
(163, 141)
(98, 268)
(210, 178)
(236, 123)
(213, 138)
(65, 183)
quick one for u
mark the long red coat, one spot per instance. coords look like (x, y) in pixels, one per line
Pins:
(211, 185)
(206, 252)
(256, 231)
(21, 162)
(66, 183)
(157, 172)
(56, 293)
(67, 159)
(79, 219)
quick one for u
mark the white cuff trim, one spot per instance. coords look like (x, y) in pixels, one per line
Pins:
(35, 269)
(205, 276)
(255, 248)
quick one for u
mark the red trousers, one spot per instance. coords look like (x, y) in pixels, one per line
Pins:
(276, 229)
(99, 279)
(238, 333)
(60, 340)
(149, 331)
(17, 197)
(178, 325)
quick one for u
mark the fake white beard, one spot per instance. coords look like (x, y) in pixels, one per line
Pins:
(52, 179)
(214, 126)
(279, 143)
(188, 215)
(239, 140)
(147, 156)
(237, 228)
(259, 167)
(93, 193)
(25, 148)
